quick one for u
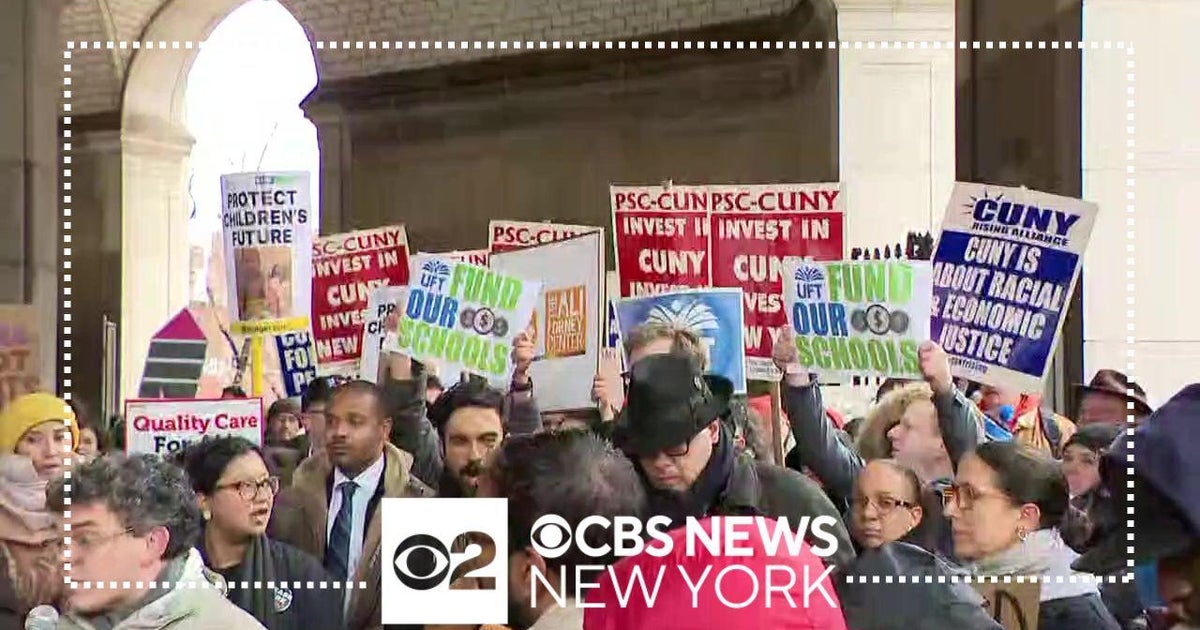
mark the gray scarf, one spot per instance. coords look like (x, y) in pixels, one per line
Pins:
(169, 575)
(1045, 554)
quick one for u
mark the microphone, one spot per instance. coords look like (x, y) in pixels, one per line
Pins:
(42, 618)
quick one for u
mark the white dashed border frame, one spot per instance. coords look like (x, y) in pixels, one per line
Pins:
(1130, 212)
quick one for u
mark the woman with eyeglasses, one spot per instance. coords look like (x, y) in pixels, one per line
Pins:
(1008, 505)
(236, 494)
(889, 505)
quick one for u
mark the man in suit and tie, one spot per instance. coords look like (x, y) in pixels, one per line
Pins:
(333, 508)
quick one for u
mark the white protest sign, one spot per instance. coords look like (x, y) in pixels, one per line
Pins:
(507, 236)
(163, 426)
(858, 318)
(1004, 269)
(383, 312)
(568, 319)
(458, 314)
(266, 221)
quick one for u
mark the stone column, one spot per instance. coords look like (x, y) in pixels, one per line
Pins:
(31, 85)
(333, 138)
(154, 232)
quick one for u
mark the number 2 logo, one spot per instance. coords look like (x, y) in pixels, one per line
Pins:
(422, 562)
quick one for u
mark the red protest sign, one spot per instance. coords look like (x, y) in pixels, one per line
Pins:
(478, 257)
(346, 267)
(726, 236)
(507, 236)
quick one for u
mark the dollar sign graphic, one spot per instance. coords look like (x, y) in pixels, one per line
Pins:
(880, 320)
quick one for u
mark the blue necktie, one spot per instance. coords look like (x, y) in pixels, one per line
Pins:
(337, 552)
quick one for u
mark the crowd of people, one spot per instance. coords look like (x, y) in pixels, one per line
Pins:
(940, 479)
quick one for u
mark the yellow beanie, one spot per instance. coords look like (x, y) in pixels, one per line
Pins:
(27, 412)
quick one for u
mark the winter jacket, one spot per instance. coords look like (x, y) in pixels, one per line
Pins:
(185, 607)
(287, 604)
(301, 519)
(11, 609)
(773, 491)
(1073, 602)
(672, 606)
(936, 605)
(1030, 428)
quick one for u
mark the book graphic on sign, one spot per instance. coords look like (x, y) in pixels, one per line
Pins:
(175, 360)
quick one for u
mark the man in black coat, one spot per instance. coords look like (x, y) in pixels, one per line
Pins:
(671, 426)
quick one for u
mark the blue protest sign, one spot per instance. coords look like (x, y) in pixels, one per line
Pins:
(1003, 272)
(297, 361)
(714, 315)
(613, 339)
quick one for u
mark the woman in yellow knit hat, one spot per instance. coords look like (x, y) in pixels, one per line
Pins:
(34, 441)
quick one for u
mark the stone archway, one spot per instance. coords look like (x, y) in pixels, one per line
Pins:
(155, 150)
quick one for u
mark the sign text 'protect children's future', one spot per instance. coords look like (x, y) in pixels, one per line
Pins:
(464, 315)
(859, 318)
(266, 223)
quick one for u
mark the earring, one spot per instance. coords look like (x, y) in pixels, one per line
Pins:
(1022, 534)
(206, 515)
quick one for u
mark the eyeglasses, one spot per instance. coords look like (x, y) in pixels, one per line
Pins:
(89, 542)
(883, 504)
(965, 497)
(249, 490)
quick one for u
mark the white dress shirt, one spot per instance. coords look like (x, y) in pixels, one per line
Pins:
(368, 482)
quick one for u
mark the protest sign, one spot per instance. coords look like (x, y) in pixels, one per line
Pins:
(20, 361)
(458, 314)
(477, 257)
(859, 318)
(507, 236)
(160, 427)
(1014, 605)
(297, 361)
(612, 292)
(346, 267)
(383, 312)
(176, 359)
(266, 221)
(670, 237)
(1004, 269)
(714, 315)
(567, 321)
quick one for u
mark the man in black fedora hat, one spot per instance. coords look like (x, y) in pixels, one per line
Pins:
(671, 427)
(1110, 398)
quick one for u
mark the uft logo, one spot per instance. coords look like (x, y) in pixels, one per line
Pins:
(445, 561)
(434, 274)
(810, 283)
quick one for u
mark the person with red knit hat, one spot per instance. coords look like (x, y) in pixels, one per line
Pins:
(731, 591)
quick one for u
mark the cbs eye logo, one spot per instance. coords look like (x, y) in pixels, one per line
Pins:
(551, 536)
(422, 562)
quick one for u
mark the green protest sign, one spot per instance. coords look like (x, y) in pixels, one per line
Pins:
(859, 318)
(463, 315)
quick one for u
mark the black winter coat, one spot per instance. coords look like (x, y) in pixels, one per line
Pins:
(293, 608)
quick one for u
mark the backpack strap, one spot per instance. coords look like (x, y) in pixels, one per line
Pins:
(1052, 431)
